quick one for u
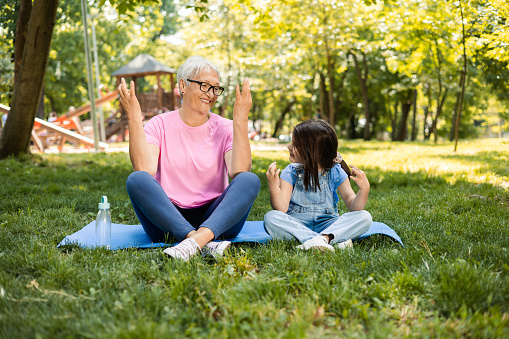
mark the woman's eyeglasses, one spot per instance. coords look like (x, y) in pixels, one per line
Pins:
(205, 87)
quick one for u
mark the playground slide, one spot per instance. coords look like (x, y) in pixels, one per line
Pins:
(80, 110)
(4, 109)
(68, 134)
(66, 120)
(86, 108)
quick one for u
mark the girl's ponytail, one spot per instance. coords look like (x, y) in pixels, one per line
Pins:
(339, 160)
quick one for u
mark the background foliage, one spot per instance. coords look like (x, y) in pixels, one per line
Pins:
(304, 58)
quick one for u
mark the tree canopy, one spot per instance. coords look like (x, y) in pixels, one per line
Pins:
(367, 67)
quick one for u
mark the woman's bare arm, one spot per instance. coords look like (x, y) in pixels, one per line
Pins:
(144, 156)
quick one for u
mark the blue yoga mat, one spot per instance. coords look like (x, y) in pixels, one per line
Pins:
(125, 236)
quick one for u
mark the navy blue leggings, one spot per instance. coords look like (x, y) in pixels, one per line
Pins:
(161, 219)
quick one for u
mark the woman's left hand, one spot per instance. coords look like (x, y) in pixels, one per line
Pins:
(360, 178)
(243, 102)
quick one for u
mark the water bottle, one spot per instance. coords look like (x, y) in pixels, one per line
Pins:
(103, 224)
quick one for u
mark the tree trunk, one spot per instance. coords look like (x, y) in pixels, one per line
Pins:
(414, 119)
(40, 107)
(331, 75)
(394, 121)
(440, 98)
(323, 94)
(440, 105)
(279, 123)
(463, 80)
(363, 79)
(406, 104)
(352, 123)
(426, 128)
(227, 43)
(455, 113)
(389, 107)
(25, 10)
(15, 138)
(51, 102)
(456, 107)
(339, 90)
(222, 108)
(337, 102)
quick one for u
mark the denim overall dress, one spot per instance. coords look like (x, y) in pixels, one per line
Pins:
(316, 210)
(312, 213)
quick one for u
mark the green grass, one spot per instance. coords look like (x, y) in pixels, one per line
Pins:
(451, 279)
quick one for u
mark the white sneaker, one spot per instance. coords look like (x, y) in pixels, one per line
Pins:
(215, 248)
(344, 244)
(184, 250)
(318, 243)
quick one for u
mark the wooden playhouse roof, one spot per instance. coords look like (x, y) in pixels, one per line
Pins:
(142, 65)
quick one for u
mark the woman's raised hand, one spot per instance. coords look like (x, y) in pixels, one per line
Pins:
(243, 101)
(128, 99)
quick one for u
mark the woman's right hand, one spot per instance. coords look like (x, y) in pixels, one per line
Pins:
(243, 102)
(273, 175)
(128, 100)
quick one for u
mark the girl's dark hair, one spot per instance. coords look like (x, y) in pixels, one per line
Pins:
(316, 144)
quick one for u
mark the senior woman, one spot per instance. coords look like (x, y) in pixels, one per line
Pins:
(179, 188)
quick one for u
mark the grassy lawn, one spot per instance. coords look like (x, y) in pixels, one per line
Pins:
(450, 280)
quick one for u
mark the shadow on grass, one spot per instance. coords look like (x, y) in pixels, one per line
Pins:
(377, 241)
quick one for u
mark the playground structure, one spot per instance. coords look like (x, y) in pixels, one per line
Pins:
(151, 103)
(67, 127)
(64, 135)
(4, 109)
(62, 126)
(60, 129)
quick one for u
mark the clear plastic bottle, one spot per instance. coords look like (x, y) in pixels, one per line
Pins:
(103, 224)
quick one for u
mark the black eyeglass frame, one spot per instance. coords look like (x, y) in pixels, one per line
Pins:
(215, 88)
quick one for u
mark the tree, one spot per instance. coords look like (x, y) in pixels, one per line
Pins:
(463, 79)
(362, 74)
(34, 31)
(33, 39)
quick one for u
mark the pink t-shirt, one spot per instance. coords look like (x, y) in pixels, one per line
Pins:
(191, 168)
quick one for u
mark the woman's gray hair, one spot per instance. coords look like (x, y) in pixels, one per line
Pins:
(193, 66)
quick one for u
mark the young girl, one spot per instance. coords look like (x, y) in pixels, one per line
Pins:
(304, 199)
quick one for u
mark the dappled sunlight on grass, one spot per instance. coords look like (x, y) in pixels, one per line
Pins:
(477, 161)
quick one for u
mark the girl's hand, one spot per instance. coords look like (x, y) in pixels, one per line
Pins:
(128, 100)
(243, 101)
(360, 178)
(273, 175)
